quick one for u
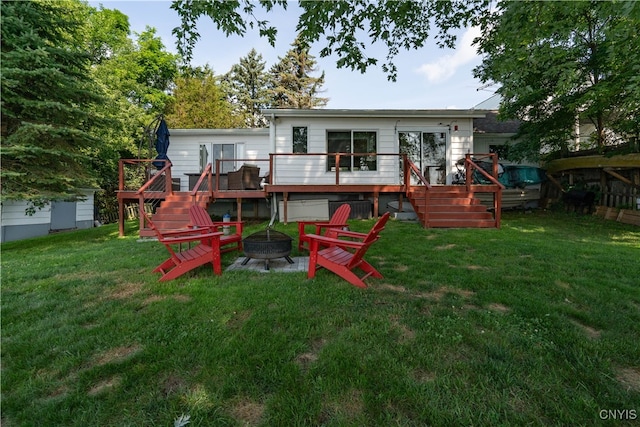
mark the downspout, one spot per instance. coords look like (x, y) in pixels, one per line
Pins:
(272, 149)
(272, 133)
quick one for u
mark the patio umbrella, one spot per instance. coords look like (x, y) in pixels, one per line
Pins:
(162, 144)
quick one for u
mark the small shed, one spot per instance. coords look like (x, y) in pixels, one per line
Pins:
(16, 224)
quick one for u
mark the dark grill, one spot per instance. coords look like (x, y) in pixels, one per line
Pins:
(267, 244)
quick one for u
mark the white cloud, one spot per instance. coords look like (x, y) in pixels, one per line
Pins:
(446, 66)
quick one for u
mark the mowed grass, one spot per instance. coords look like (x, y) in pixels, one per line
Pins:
(537, 323)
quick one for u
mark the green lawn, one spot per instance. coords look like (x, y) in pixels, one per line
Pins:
(537, 323)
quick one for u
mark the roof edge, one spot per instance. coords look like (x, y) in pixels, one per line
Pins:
(348, 113)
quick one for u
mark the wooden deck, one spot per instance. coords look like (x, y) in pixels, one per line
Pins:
(172, 206)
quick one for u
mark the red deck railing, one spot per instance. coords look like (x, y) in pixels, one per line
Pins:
(140, 181)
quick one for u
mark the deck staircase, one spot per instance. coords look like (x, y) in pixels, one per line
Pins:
(173, 212)
(450, 206)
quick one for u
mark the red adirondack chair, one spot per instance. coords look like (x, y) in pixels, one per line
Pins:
(184, 259)
(343, 256)
(231, 238)
(338, 221)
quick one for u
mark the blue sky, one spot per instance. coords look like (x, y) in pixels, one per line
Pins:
(429, 78)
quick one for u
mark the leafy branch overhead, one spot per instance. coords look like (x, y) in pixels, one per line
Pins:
(344, 28)
(558, 62)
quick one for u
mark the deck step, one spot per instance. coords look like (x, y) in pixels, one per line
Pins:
(173, 212)
(450, 207)
(462, 223)
(460, 215)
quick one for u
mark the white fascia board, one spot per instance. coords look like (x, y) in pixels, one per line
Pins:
(445, 114)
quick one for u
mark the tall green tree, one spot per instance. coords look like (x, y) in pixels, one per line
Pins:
(557, 62)
(108, 34)
(136, 74)
(291, 84)
(346, 26)
(247, 85)
(48, 101)
(199, 101)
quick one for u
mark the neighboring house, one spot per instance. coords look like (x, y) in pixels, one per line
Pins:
(491, 134)
(55, 216)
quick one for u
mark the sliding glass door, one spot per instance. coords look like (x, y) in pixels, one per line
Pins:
(427, 150)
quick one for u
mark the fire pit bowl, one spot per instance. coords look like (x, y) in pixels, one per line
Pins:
(267, 244)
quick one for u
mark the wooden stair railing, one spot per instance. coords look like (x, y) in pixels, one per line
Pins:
(171, 208)
(453, 206)
(205, 176)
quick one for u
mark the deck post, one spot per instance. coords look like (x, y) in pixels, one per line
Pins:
(375, 204)
(121, 217)
(285, 198)
(120, 201)
(239, 208)
(141, 215)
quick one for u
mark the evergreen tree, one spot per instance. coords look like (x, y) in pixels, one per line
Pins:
(200, 102)
(248, 88)
(291, 85)
(48, 101)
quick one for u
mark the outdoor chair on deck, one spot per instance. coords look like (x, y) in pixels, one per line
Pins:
(246, 178)
(188, 249)
(338, 221)
(231, 236)
(342, 256)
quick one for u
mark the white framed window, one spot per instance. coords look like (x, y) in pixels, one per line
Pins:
(362, 143)
(300, 139)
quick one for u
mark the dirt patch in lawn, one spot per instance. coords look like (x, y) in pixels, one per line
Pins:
(588, 330)
(305, 360)
(389, 287)
(105, 385)
(248, 412)
(172, 384)
(445, 247)
(438, 294)
(422, 376)
(629, 378)
(116, 355)
(350, 406)
(126, 290)
(494, 306)
(238, 319)
(406, 333)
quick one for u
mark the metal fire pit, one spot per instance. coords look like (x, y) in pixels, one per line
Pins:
(267, 244)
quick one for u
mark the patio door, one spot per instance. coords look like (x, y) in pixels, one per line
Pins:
(427, 150)
(228, 154)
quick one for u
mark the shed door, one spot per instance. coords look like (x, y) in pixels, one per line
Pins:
(63, 215)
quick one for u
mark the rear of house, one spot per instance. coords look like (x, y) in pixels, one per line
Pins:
(369, 141)
(321, 158)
